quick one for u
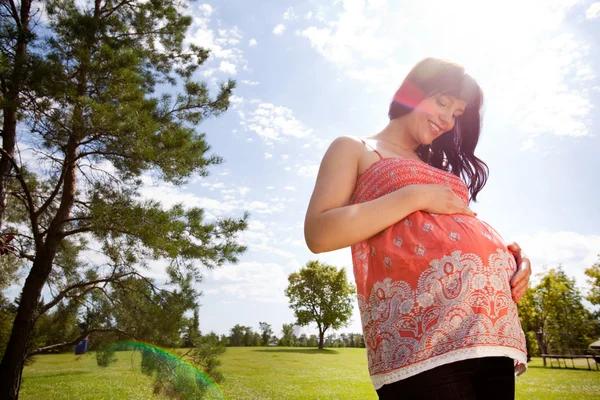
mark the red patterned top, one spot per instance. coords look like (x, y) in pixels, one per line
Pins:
(432, 289)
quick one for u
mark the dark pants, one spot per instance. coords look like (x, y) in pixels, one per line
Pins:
(489, 378)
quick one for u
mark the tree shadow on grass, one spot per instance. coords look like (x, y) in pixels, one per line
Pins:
(577, 368)
(57, 374)
(299, 351)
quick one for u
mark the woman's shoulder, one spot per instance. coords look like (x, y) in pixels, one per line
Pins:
(349, 145)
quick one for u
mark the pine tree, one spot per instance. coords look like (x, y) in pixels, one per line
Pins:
(89, 107)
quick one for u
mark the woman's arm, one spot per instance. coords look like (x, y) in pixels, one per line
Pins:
(332, 224)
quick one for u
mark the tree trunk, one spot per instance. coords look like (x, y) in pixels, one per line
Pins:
(321, 337)
(13, 361)
(9, 111)
(540, 341)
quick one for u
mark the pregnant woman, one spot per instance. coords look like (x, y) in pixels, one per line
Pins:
(437, 287)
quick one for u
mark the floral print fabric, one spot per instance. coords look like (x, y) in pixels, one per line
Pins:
(432, 289)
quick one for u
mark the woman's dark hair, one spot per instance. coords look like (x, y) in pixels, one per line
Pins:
(454, 150)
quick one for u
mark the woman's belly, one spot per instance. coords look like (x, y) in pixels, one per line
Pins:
(431, 285)
(410, 247)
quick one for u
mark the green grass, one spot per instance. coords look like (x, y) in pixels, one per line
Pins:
(270, 373)
(67, 376)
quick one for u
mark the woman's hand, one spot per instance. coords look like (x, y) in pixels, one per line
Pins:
(440, 199)
(520, 280)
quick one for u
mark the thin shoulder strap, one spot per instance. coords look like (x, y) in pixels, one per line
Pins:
(371, 147)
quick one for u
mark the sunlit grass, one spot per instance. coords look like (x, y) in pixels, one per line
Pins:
(67, 376)
(271, 373)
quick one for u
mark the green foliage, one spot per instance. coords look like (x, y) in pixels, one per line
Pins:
(238, 335)
(554, 312)
(321, 294)
(266, 333)
(57, 326)
(205, 354)
(93, 112)
(174, 377)
(106, 356)
(7, 316)
(192, 330)
(288, 338)
(593, 274)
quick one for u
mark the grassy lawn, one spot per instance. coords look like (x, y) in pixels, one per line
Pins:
(269, 373)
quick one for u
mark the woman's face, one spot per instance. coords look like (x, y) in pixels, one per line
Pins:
(434, 116)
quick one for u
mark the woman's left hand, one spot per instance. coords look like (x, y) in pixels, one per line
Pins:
(520, 280)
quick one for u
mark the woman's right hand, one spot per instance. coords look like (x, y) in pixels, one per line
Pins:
(440, 199)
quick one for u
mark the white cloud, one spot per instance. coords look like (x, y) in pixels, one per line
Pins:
(252, 42)
(256, 225)
(279, 28)
(218, 185)
(262, 207)
(236, 100)
(356, 35)
(574, 251)
(263, 282)
(534, 73)
(290, 188)
(274, 123)
(169, 195)
(593, 11)
(527, 145)
(308, 171)
(341, 258)
(206, 9)
(308, 15)
(289, 14)
(221, 43)
(242, 191)
(268, 155)
(227, 67)
(251, 83)
(285, 157)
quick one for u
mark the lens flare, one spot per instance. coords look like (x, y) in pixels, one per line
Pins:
(179, 366)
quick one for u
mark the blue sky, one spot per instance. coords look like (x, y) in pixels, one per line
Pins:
(310, 71)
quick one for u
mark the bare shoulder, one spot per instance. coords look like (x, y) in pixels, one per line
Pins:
(347, 145)
(337, 174)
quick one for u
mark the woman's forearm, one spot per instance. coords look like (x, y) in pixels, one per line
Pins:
(344, 226)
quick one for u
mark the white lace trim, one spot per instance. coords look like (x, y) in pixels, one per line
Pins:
(447, 358)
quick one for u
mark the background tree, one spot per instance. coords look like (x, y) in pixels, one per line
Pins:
(265, 333)
(192, 330)
(593, 274)
(236, 335)
(288, 335)
(248, 336)
(321, 294)
(17, 71)
(96, 126)
(303, 340)
(553, 311)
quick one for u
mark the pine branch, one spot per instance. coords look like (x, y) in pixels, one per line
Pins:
(65, 292)
(79, 339)
(54, 193)
(15, 14)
